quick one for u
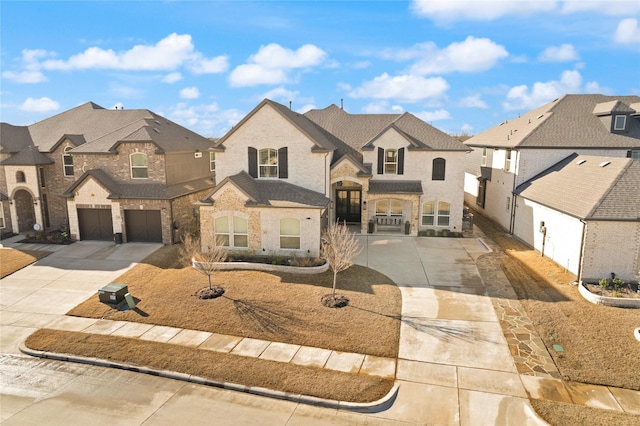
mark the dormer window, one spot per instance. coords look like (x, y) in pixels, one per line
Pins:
(390, 162)
(619, 122)
(268, 163)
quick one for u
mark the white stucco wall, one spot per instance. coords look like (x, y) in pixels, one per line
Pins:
(563, 236)
(268, 129)
(612, 247)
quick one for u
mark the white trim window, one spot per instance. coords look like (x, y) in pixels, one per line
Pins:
(139, 165)
(268, 163)
(67, 162)
(619, 122)
(484, 156)
(390, 161)
(507, 160)
(2, 224)
(290, 234)
(231, 231)
(432, 216)
(212, 161)
(388, 208)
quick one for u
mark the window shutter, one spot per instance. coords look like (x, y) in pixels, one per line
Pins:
(401, 161)
(380, 161)
(438, 169)
(283, 163)
(253, 162)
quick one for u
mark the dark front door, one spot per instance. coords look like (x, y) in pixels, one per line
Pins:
(143, 225)
(95, 224)
(348, 205)
(24, 208)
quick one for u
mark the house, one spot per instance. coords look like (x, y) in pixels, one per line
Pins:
(102, 173)
(514, 151)
(584, 213)
(283, 176)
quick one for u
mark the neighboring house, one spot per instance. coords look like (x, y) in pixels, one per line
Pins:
(102, 172)
(283, 176)
(516, 150)
(584, 213)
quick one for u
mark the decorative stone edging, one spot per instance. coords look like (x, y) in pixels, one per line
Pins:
(305, 270)
(361, 407)
(618, 302)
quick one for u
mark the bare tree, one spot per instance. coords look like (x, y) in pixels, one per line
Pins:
(339, 247)
(204, 261)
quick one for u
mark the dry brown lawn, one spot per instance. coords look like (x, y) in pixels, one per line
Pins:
(598, 342)
(275, 307)
(12, 260)
(273, 375)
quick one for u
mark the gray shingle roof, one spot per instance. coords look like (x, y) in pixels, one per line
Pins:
(14, 138)
(263, 192)
(29, 156)
(584, 187)
(142, 191)
(395, 187)
(568, 122)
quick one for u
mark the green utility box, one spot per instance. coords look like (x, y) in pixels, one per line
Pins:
(113, 293)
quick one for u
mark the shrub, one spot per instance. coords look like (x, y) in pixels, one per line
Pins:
(604, 283)
(617, 283)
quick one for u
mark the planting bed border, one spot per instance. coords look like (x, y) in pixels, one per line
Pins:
(265, 267)
(617, 302)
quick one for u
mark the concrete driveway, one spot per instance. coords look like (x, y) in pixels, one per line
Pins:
(454, 364)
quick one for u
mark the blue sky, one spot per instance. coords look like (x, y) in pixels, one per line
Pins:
(462, 66)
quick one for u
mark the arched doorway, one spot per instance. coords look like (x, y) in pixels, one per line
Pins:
(348, 197)
(25, 211)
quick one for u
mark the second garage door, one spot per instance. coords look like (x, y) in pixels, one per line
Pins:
(143, 225)
(95, 224)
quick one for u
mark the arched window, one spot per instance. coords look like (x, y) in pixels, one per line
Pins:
(67, 162)
(289, 233)
(139, 165)
(388, 208)
(444, 210)
(231, 231)
(20, 177)
(439, 166)
(428, 213)
(268, 163)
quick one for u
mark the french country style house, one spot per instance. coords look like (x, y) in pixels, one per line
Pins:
(524, 174)
(102, 174)
(283, 176)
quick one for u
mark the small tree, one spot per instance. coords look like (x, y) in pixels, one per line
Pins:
(204, 261)
(339, 247)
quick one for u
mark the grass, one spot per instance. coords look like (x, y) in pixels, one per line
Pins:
(597, 340)
(276, 307)
(273, 375)
(12, 260)
(268, 306)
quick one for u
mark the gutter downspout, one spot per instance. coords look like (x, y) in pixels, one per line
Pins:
(582, 244)
(513, 196)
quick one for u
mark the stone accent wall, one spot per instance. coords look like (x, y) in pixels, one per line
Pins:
(410, 208)
(91, 195)
(183, 213)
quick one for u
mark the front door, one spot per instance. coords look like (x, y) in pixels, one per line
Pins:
(24, 208)
(348, 205)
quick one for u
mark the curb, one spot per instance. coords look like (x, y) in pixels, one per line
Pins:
(304, 270)
(615, 302)
(361, 407)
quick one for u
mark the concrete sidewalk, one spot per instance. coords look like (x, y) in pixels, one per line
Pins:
(455, 366)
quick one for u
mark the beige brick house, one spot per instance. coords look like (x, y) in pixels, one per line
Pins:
(101, 172)
(283, 176)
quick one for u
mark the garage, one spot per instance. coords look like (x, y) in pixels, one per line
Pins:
(143, 225)
(95, 224)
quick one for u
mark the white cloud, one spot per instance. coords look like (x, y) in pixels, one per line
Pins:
(627, 32)
(431, 116)
(43, 104)
(473, 101)
(471, 55)
(281, 94)
(523, 97)
(31, 73)
(170, 53)
(172, 77)
(402, 88)
(272, 63)
(459, 10)
(25, 76)
(465, 10)
(305, 108)
(206, 119)
(563, 53)
(381, 107)
(190, 93)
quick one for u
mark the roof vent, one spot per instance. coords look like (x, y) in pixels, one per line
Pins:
(581, 162)
(540, 116)
(156, 130)
(604, 163)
